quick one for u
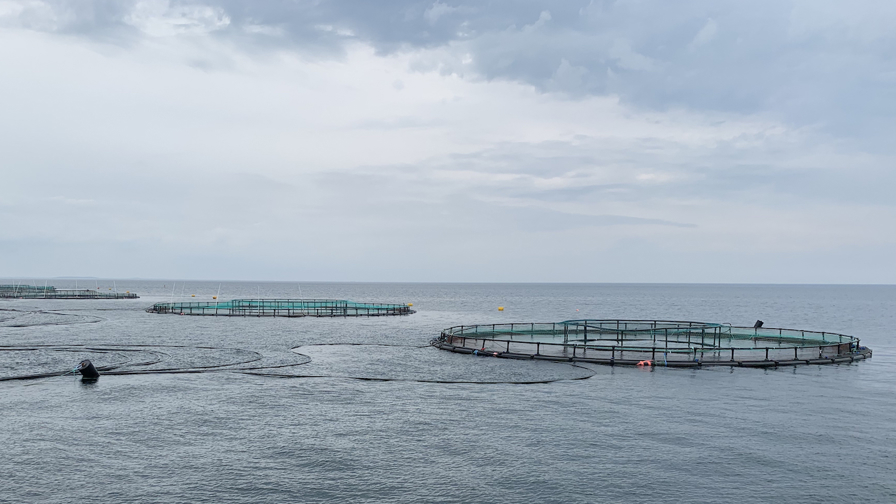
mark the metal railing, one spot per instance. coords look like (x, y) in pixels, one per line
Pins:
(283, 308)
(53, 293)
(656, 341)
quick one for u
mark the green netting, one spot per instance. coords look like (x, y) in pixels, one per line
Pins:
(50, 292)
(25, 288)
(283, 308)
(640, 341)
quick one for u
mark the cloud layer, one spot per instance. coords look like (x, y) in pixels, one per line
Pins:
(500, 141)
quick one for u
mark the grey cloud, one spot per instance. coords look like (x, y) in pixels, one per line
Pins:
(538, 219)
(547, 173)
(103, 20)
(400, 123)
(180, 207)
(832, 64)
(581, 193)
(366, 197)
(534, 219)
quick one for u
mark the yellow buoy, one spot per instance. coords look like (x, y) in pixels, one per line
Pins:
(214, 297)
(127, 292)
(410, 304)
(192, 295)
(500, 308)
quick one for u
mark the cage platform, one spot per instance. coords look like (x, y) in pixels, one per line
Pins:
(50, 292)
(283, 308)
(653, 343)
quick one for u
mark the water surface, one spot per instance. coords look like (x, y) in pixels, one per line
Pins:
(309, 424)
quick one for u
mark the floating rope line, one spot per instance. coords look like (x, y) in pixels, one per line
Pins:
(419, 380)
(81, 319)
(157, 357)
(116, 369)
(590, 374)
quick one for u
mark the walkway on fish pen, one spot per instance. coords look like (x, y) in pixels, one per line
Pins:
(653, 343)
(283, 308)
(50, 292)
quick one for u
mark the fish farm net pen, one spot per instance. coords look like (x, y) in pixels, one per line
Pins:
(50, 292)
(653, 343)
(26, 288)
(282, 308)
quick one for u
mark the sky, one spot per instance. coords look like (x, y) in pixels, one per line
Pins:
(457, 141)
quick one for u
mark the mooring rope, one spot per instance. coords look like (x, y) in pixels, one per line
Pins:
(114, 369)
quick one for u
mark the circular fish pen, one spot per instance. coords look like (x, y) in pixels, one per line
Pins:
(50, 292)
(653, 343)
(282, 308)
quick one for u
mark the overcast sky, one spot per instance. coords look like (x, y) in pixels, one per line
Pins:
(626, 141)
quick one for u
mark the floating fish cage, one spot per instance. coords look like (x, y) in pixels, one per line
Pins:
(653, 343)
(283, 308)
(26, 288)
(50, 292)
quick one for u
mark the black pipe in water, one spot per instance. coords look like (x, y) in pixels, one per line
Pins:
(88, 371)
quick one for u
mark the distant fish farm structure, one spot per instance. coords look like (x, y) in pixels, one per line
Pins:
(283, 308)
(50, 292)
(653, 343)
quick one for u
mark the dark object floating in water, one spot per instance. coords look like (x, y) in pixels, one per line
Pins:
(88, 371)
(653, 343)
(283, 308)
(758, 324)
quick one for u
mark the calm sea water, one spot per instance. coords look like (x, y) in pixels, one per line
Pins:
(802, 434)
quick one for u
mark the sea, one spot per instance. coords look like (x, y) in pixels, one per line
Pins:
(358, 410)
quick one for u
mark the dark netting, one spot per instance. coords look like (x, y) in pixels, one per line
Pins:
(653, 343)
(283, 308)
(50, 292)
